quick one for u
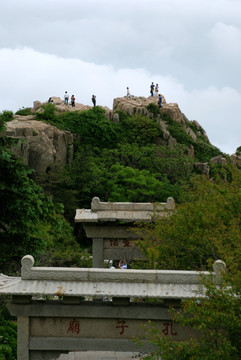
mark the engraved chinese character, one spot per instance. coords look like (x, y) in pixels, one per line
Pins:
(127, 243)
(114, 242)
(167, 327)
(121, 326)
(173, 332)
(74, 327)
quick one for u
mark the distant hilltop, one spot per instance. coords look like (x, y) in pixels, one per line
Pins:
(46, 146)
(137, 105)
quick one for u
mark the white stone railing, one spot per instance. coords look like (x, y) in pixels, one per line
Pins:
(97, 205)
(123, 211)
(29, 272)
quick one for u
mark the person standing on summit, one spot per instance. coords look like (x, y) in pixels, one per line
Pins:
(128, 94)
(156, 90)
(66, 98)
(152, 88)
(72, 100)
(93, 100)
(160, 101)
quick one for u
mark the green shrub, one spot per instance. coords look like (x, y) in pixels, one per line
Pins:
(122, 115)
(8, 336)
(154, 109)
(6, 115)
(140, 129)
(238, 151)
(92, 126)
(199, 132)
(178, 132)
(218, 171)
(128, 184)
(204, 151)
(24, 111)
(167, 118)
(48, 114)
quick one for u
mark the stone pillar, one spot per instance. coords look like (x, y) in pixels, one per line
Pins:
(23, 338)
(98, 253)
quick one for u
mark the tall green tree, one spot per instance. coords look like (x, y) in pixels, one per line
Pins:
(205, 227)
(217, 319)
(30, 223)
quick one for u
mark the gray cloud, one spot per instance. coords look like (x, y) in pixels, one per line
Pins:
(192, 47)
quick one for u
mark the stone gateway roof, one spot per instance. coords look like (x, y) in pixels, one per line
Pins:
(123, 211)
(163, 284)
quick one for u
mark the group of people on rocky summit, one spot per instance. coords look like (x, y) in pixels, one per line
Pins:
(154, 92)
(66, 99)
(154, 89)
(72, 99)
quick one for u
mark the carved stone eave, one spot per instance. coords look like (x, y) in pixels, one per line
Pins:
(123, 211)
(165, 284)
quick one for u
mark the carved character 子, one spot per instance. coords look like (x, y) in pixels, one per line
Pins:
(122, 326)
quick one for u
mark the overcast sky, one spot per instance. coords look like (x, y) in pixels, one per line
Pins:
(192, 48)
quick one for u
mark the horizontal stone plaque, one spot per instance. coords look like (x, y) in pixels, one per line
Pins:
(104, 328)
(104, 231)
(117, 249)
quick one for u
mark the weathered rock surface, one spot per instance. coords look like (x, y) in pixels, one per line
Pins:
(59, 105)
(236, 158)
(138, 105)
(43, 145)
(218, 160)
(135, 105)
(203, 168)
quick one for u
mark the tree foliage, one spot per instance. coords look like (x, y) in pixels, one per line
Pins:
(5, 116)
(24, 111)
(30, 222)
(216, 318)
(205, 227)
(125, 162)
(105, 151)
(8, 335)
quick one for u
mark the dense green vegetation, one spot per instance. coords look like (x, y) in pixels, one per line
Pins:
(216, 318)
(8, 335)
(29, 220)
(24, 111)
(206, 226)
(120, 162)
(125, 162)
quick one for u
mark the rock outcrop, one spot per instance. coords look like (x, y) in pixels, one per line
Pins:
(220, 160)
(59, 105)
(43, 146)
(138, 105)
(135, 105)
(236, 158)
(203, 168)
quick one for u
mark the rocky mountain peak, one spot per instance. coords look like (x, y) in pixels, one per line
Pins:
(43, 146)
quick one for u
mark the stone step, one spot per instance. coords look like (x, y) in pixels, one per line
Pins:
(100, 355)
